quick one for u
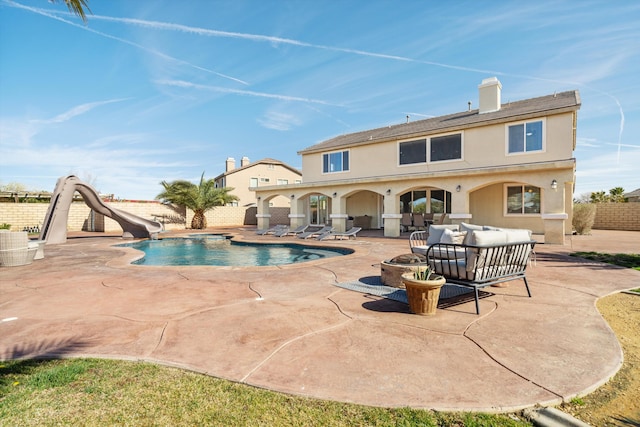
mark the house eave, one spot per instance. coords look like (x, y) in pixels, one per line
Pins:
(490, 170)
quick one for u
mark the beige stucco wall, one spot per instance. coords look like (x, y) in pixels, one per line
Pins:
(484, 146)
(240, 180)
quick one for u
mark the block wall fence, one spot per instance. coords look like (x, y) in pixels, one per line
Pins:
(609, 216)
(21, 215)
(617, 216)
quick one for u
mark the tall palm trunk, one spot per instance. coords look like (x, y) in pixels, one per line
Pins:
(199, 221)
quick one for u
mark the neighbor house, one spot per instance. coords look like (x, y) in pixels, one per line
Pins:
(250, 176)
(503, 164)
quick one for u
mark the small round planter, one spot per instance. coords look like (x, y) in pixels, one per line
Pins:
(423, 295)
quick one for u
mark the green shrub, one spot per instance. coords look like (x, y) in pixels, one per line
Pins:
(5, 226)
(584, 215)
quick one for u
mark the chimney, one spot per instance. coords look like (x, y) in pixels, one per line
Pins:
(244, 161)
(231, 164)
(489, 94)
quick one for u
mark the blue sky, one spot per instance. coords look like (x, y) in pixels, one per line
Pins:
(161, 90)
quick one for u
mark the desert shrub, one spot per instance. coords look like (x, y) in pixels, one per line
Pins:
(5, 226)
(584, 215)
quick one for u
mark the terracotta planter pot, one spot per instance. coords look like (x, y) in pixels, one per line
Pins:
(423, 294)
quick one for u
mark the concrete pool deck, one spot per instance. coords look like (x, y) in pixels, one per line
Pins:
(289, 329)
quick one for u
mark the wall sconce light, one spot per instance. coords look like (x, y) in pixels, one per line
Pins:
(458, 188)
(292, 197)
(259, 197)
(554, 184)
(388, 192)
(335, 194)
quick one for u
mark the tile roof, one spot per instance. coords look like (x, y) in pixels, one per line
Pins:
(535, 107)
(266, 161)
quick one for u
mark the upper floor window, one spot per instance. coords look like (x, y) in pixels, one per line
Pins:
(525, 137)
(283, 181)
(448, 147)
(413, 152)
(253, 182)
(335, 162)
(523, 199)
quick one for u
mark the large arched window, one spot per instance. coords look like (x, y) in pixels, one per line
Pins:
(425, 201)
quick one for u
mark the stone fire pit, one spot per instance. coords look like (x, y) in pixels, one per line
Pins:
(391, 270)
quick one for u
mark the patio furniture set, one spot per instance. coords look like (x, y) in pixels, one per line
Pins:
(475, 256)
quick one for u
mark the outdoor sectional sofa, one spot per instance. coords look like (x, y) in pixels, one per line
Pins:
(475, 256)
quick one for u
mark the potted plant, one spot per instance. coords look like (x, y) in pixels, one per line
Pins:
(423, 290)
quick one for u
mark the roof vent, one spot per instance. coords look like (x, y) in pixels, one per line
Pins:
(489, 95)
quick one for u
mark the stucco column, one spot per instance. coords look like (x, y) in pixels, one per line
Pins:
(391, 216)
(555, 217)
(297, 217)
(263, 214)
(554, 228)
(338, 216)
(459, 206)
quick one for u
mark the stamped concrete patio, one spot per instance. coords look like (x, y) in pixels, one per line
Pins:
(291, 330)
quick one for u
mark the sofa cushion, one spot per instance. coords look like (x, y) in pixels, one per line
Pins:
(469, 228)
(488, 237)
(478, 257)
(435, 232)
(447, 252)
(515, 235)
(453, 237)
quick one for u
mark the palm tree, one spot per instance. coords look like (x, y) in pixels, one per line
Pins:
(199, 198)
(598, 197)
(77, 7)
(616, 195)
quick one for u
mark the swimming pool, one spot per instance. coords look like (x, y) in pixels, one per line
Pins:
(217, 250)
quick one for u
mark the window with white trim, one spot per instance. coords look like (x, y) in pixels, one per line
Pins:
(439, 148)
(283, 181)
(412, 152)
(522, 200)
(447, 147)
(337, 161)
(525, 137)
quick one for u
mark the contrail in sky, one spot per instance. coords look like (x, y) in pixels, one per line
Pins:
(280, 40)
(109, 36)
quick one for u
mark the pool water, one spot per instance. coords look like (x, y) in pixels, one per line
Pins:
(217, 250)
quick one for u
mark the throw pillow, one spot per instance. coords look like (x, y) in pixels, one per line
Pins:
(435, 232)
(469, 228)
(455, 237)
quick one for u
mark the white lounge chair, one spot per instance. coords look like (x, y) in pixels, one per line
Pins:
(271, 230)
(314, 233)
(337, 234)
(289, 232)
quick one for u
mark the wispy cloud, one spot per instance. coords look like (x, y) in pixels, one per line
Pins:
(77, 111)
(119, 39)
(189, 85)
(279, 121)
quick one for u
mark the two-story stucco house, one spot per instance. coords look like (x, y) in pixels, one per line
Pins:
(503, 164)
(250, 176)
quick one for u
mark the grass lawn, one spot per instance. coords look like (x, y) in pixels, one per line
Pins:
(98, 392)
(623, 260)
